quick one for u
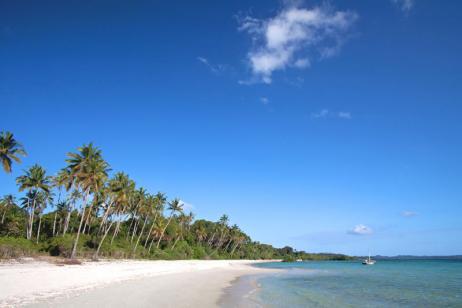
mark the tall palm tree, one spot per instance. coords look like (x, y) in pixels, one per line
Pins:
(43, 199)
(89, 172)
(8, 201)
(35, 178)
(159, 202)
(10, 149)
(174, 206)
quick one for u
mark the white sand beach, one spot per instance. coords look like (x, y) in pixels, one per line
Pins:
(184, 283)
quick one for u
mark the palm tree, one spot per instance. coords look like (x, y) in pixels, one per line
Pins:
(89, 171)
(10, 150)
(42, 200)
(159, 202)
(157, 231)
(7, 202)
(34, 179)
(201, 233)
(173, 206)
(223, 222)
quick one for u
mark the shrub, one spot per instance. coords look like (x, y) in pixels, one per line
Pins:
(11, 247)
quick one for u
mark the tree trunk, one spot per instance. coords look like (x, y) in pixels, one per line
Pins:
(76, 241)
(31, 220)
(95, 256)
(116, 231)
(3, 216)
(163, 231)
(68, 218)
(38, 230)
(134, 230)
(227, 245)
(54, 223)
(210, 241)
(234, 248)
(176, 241)
(141, 234)
(150, 231)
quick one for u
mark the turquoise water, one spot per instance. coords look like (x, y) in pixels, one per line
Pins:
(422, 283)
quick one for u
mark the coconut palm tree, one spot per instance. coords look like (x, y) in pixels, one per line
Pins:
(43, 199)
(223, 222)
(157, 232)
(201, 233)
(159, 201)
(8, 201)
(35, 178)
(89, 172)
(10, 149)
(174, 206)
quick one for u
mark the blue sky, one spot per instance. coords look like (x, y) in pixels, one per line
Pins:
(327, 126)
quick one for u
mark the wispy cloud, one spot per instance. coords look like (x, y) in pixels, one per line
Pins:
(409, 214)
(295, 37)
(360, 230)
(326, 113)
(404, 5)
(187, 207)
(214, 68)
(264, 100)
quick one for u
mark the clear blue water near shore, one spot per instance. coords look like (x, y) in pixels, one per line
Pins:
(419, 283)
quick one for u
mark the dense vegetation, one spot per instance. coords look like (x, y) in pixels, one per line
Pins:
(84, 211)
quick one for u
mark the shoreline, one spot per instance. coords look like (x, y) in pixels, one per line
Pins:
(120, 283)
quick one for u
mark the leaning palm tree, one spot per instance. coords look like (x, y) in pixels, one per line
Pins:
(89, 172)
(159, 201)
(8, 201)
(174, 206)
(10, 150)
(34, 179)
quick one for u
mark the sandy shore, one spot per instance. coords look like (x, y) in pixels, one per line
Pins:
(185, 283)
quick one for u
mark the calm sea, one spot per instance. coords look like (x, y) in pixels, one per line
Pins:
(421, 283)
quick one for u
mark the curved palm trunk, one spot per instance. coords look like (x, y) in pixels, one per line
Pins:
(38, 230)
(95, 256)
(227, 245)
(210, 241)
(234, 248)
(116, 231)
(54, 223)
(3, 216)
(134, 230)
(68, 218)
(141, 234)
(31, 220)
(76, 241)
(150, 231)
(163, 231)
(176, 241)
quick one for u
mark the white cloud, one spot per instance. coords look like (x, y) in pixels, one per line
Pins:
(326, 113)
(321, 114)
(187, 207)
(408, 214)
(214, 68)
(344, 115)
(404, 5)
(293, 38)
(264, 100)
(360, 230)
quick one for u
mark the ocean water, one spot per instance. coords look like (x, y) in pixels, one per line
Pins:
(420, 283)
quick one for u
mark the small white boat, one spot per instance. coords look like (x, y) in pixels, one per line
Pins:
(368, 261)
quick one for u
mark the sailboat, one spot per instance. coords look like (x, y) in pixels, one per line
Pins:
(368, 261)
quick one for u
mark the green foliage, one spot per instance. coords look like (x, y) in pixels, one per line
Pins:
(13, 247)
